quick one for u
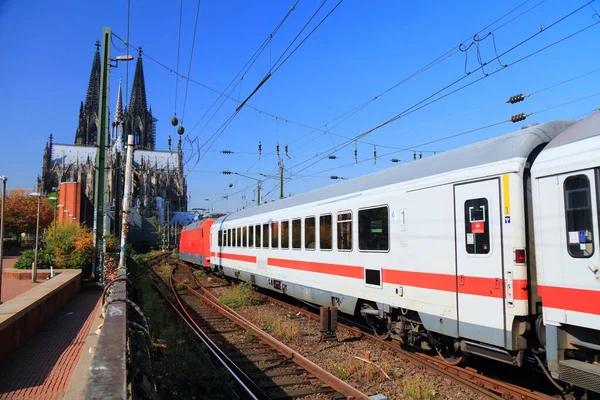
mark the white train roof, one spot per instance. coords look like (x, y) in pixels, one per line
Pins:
(577, 148)
(518, 144)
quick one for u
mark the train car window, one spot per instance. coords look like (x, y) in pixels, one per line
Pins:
(220, 238)
(275, 235)
(296, 234)
(309, 233)
(265, 236)
(578, 210)
(477, 226)
(239, 237)
(325, 232)
(257, 236)
(344, 231)
(285, 234)
(244, 236)
(233, 237)
(229, 237)
(373, 229)
(251, 236)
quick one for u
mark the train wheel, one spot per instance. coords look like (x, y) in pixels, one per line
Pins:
(448, 354)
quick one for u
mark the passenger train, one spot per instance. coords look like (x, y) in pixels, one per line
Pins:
(491, 249)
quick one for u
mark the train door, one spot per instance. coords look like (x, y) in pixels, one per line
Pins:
(571, 275)
(479, 261)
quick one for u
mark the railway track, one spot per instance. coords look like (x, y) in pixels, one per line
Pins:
(470, 377)
(263, 367)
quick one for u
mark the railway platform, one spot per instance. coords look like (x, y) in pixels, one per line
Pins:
(47, 335)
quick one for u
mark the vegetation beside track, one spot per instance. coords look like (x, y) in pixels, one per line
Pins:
(173, 362)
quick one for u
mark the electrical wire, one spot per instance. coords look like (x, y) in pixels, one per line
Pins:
(178, 51)
(424, 102)
(187, 84)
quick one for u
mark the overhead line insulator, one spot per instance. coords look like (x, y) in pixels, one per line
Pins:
(395, 160)
(519, 117)
(226, 152)
(332, 157)
(517, 98)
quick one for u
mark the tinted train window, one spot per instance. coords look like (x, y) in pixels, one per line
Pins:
(220, 238)
(325, 232)
(578, 209)
(257, 235)
(233, 237)
(228, 237)
(309, 233)
(274, 235)
(344, 231)
(239, 237)
(373, 229)
(296, 234)
(245, 236)
(251, 236)
(285, 234)
(477, 226)
(265, 236)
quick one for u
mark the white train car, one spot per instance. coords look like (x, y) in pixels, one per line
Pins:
(432, 252)
(566, 184)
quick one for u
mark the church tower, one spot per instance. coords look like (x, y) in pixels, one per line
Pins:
(138, 119)
(87, 130)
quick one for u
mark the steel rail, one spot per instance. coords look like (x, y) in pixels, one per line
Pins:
(490, 387)
(312, 368)
(212, 347)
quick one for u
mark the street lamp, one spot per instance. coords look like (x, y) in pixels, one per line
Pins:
(3, 179)
(37, 236)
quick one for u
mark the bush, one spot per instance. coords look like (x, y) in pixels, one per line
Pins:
(27, 257)
(71, 246)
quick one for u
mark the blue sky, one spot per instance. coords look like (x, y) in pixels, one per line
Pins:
(362, 49)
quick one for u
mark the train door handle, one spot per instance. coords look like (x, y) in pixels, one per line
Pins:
(497, 283)
(461, 279)
(595, 270)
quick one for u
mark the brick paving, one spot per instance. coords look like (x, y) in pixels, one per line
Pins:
(43, 367)
(14, 287)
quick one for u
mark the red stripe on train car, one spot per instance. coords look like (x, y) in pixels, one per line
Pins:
(579, 300)
(237, 257)
(478, 286)
(349, 271)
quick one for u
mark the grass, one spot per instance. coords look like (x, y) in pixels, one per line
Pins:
(281, 327)
(339, 370)
(199, 273)
(239, 296)
(181, 372)
(180, 286)
(164, 271)
(248, 337)
(417, 388)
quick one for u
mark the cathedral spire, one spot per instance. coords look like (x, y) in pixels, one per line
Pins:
(88, 112)
(137, 101)
(119, 106)
(138, 120)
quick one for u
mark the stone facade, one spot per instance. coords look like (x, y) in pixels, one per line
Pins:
(157, 174)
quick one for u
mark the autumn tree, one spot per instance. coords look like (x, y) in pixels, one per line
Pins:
(21, 212)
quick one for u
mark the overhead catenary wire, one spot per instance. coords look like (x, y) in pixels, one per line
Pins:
(178, 51)
(187, 84)
(221, 93)
(424, 102)
(462, 133)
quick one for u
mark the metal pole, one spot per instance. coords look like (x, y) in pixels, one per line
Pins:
(100, 191)
(126, 194)
(258, 190)
(37, 240)
(281, 180)
(3, 178)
